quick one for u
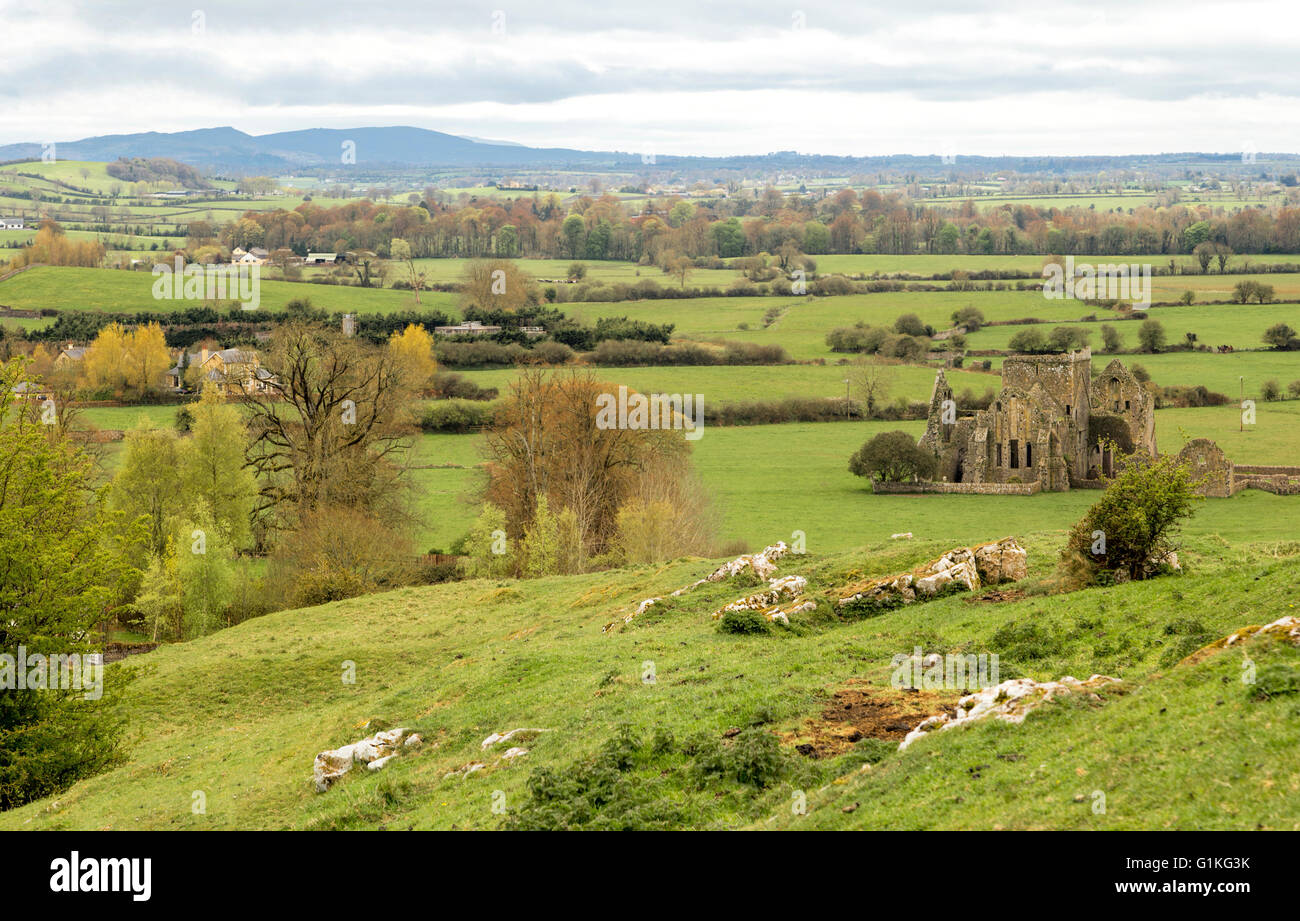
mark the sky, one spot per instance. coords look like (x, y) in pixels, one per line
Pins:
(671, 76)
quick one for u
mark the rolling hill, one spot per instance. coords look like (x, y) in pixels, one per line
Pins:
(672, 722)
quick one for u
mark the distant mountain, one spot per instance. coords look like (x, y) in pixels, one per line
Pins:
(234, 152)
(231, 149)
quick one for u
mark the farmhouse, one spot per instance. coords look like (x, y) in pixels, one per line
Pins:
(70, 355)
(1051, 425)
(12, 223)
(234, 369)
(321, 259)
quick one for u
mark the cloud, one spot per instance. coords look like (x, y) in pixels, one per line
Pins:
(565, 73)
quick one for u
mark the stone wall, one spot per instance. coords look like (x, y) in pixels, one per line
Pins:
(982, 489)
(1276, 484)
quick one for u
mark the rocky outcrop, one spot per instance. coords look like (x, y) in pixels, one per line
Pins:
(374, 752)
(498, 737)
(1287, 627)
(784, 589)
(971, 567)
(761, 564)
(1009, 701)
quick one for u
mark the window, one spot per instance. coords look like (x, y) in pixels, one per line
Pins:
(1029, 454)
(1067, 410)
(999, 455)
(1126, 404)
(1015, 454)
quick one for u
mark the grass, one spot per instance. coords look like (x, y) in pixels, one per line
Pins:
(1238, 325)
(768, 481)
(240, 715)
(124, 291)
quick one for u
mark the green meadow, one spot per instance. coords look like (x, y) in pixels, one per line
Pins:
(240, 715)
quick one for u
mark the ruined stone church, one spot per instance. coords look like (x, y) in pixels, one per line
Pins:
(1048, 428)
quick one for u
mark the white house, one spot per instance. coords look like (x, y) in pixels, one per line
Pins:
(12, 223)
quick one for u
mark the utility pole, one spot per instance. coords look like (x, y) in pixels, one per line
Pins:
(846, 398)
(1241, 406)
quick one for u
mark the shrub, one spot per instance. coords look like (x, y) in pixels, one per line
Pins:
(1029, 340)
(743, 623)
(1271, 391)
(909, 324)
(1274, 680)
(1151, 335)
(892, 457)
(456, 416)
(1137, 517)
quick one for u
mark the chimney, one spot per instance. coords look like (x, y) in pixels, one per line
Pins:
(203, 355)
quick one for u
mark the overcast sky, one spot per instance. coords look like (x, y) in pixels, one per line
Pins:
(671, 76)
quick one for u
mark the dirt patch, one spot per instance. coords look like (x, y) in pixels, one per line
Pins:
(116, 652)
(865, 711)
(998, 596)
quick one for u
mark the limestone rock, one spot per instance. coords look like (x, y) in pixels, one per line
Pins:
(762, 564)
(1010, 701)
(1001, 561)
(778, 590)
(374, 752)
(973, 567)
(498, 737)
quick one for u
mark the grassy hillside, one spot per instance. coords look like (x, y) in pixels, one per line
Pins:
(239, 715)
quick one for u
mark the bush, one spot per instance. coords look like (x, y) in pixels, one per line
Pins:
(1137, 517)
(456, 416)
(1029, 340)
(892, 457)
(744, 623)
(1271, 391)
(448, 385)
(1151, 336)
(909, 324)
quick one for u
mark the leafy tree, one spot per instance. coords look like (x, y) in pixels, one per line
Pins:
(892, 457)
(214, 480)
(148, 482)
(205, 572)
(1280, 336)
(1110, 339)
(1029, 340)
(970, 317)
(1151, 335)
(1131, 529)
(412, 350)
(485, 539)
(909, 324)
(62, 573)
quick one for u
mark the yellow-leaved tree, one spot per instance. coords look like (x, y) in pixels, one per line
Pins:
(412, 351)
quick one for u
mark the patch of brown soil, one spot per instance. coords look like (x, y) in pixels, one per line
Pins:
(865, 711)
(116, 652)
(998, 595)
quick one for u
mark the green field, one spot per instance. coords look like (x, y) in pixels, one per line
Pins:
(768, 481)
(240, 715)
(126, 291)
